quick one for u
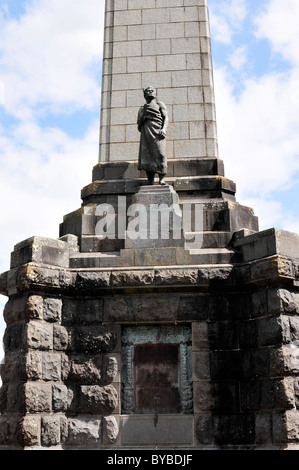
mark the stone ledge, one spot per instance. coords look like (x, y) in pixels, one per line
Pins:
(260, 272)
(176, 168)
(267, 243)
(208, 185)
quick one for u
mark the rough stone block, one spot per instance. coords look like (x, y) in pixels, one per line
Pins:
(40, 250)
(83, 430)
(38, 397)
(274, 330)
(98, 400)
(110, 429)
(52, 310)
(84, 369)
(132, 278)
(278, 394)
(39, 335)
(176, 277)
(51, 367)
(50, 431)
(96, 339)
(60, 338)
(31, 430)
(61, 398)
(21, 367)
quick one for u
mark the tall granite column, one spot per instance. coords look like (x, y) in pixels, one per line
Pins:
(164, 44)
(133, 342)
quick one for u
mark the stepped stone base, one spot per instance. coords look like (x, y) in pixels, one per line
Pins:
(63, 360)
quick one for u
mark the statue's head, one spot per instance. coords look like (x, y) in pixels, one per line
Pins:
(149, 91)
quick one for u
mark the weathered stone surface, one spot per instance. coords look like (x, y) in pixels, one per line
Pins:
(193, 307)
(82, 310)
(31, 277)
(62, 397)
(235, 429)
(95, 339)
(21, 367)
(201, 365)
(274, 330)
(98, 400)
(176, 277)
(263, 428)
(39, 335)
(23, 308)
(51, 367)
(200, 340)
(52, 310)
(50, 431)
(60, 338)
(293, 425)
(84, 369)
(83, 430)
(204, 429)
(10, 431)
(40, 250)
(140, 308)
(14, 337)
(93, 280)
(110, 430)
(38, 397)
(132, 278)
(31, 430)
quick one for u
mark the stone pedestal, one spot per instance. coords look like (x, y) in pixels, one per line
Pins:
(157, 214)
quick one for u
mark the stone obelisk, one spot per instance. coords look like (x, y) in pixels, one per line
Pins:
(117, 341)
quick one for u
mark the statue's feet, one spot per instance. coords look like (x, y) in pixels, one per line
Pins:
(162, 182)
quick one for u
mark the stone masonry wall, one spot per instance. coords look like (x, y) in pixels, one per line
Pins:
(61, 376)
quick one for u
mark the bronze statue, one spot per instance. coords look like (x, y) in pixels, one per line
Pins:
(152, 124)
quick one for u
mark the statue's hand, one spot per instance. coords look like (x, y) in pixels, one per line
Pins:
(162, 134)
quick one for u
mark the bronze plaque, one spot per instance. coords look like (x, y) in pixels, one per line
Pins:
(157, 378)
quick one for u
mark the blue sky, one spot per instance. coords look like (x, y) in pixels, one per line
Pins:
(50, 68)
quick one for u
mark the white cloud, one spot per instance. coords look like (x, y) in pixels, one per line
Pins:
(279, 24)
(226, 18)
(259, 131)
(238, 58)
(42, 173)
(46, 55)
